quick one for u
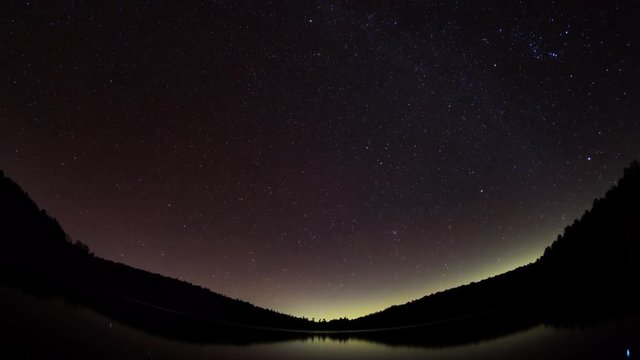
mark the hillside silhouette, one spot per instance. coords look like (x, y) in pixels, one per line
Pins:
(38, 256)
(588, 273)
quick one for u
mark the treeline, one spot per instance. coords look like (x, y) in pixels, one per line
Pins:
(38, 256)
(593, 267)
(590, 272)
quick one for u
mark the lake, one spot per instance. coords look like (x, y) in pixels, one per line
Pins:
(46, 328)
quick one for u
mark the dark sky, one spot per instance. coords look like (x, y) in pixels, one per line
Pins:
(321, 158)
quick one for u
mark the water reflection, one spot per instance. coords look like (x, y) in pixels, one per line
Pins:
(46, 328)
(541, 342)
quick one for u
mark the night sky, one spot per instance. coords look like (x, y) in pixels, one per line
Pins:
(320, 158)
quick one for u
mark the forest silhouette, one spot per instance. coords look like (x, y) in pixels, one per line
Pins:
(589, 273)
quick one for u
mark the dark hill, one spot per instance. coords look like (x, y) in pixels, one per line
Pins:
(38, 256)
(590, 272)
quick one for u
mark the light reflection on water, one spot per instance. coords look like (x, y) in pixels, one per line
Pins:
(541, 342)
(36, 327)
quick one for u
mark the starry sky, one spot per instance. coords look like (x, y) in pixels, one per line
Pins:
(319, 158)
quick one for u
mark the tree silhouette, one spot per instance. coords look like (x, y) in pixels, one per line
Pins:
(38, 255)
(590, 271)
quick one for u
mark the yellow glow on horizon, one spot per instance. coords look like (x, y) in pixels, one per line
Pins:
(398, 294)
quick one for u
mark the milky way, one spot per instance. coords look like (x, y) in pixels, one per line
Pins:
(322, 158)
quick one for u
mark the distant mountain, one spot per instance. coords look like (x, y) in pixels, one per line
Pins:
(38, 256)
(591, 271)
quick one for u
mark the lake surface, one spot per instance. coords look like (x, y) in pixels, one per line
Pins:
(51, 328)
